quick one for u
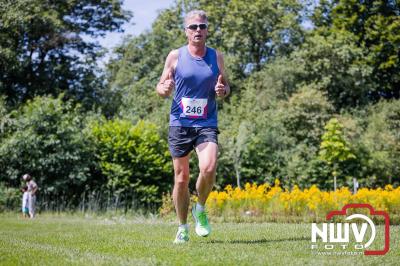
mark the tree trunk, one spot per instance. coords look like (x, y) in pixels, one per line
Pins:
(237, 174)
(334, 182)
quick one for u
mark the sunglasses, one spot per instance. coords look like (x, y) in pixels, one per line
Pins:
(201, 26)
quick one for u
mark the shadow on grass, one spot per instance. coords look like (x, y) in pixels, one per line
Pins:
(257, 241)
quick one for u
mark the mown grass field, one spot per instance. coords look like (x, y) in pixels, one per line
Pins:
(79, 240)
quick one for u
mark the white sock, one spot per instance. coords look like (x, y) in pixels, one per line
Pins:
(184, 226)
(199, 207)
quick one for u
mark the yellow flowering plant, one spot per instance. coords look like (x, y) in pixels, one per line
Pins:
(272, 203)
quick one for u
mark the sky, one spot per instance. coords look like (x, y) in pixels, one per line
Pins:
(144, 14)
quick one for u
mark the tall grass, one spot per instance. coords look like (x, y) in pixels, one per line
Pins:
(87, 202)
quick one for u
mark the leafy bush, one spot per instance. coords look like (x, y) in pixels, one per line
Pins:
(45, 138)
(133, 157)
(10, 198)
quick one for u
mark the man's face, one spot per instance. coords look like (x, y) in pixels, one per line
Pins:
(195, 31)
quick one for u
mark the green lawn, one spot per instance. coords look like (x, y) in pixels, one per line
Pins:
(74, 240)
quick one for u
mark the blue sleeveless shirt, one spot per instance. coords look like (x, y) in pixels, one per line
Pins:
(194, 103)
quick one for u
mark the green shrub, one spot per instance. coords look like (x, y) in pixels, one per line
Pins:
(10, 198)
(45, 138)
(133, 158)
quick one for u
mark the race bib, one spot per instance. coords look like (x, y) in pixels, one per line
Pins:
(194, 108)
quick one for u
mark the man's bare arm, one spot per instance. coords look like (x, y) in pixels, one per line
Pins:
(167, 83)
(224, 90)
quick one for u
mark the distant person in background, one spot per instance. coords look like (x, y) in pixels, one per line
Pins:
(32, 189)
(25, 201)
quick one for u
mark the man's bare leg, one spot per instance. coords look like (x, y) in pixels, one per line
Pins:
(207, 153)
(180, 193)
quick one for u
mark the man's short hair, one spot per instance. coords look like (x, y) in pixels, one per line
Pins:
(26, 177)
(195, 13)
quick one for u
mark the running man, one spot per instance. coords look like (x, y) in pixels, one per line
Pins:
(197, 73)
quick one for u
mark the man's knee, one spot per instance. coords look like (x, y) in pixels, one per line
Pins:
(208, 170)
(182, 178)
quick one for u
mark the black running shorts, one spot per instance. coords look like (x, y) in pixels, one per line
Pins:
(182, 140)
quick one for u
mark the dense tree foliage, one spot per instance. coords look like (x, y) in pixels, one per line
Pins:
(43, 49)
(336, 66)
(382, 141)
(376, 27)
(251, 40)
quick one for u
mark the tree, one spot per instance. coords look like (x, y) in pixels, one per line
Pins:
(138, 65)
(376, 27)
(254, 33)
(334, 148)
(254, 142)
(305, 114)
(333, 64)
(381, 139)
(261, 31)
(241, 148)
(43, 50)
